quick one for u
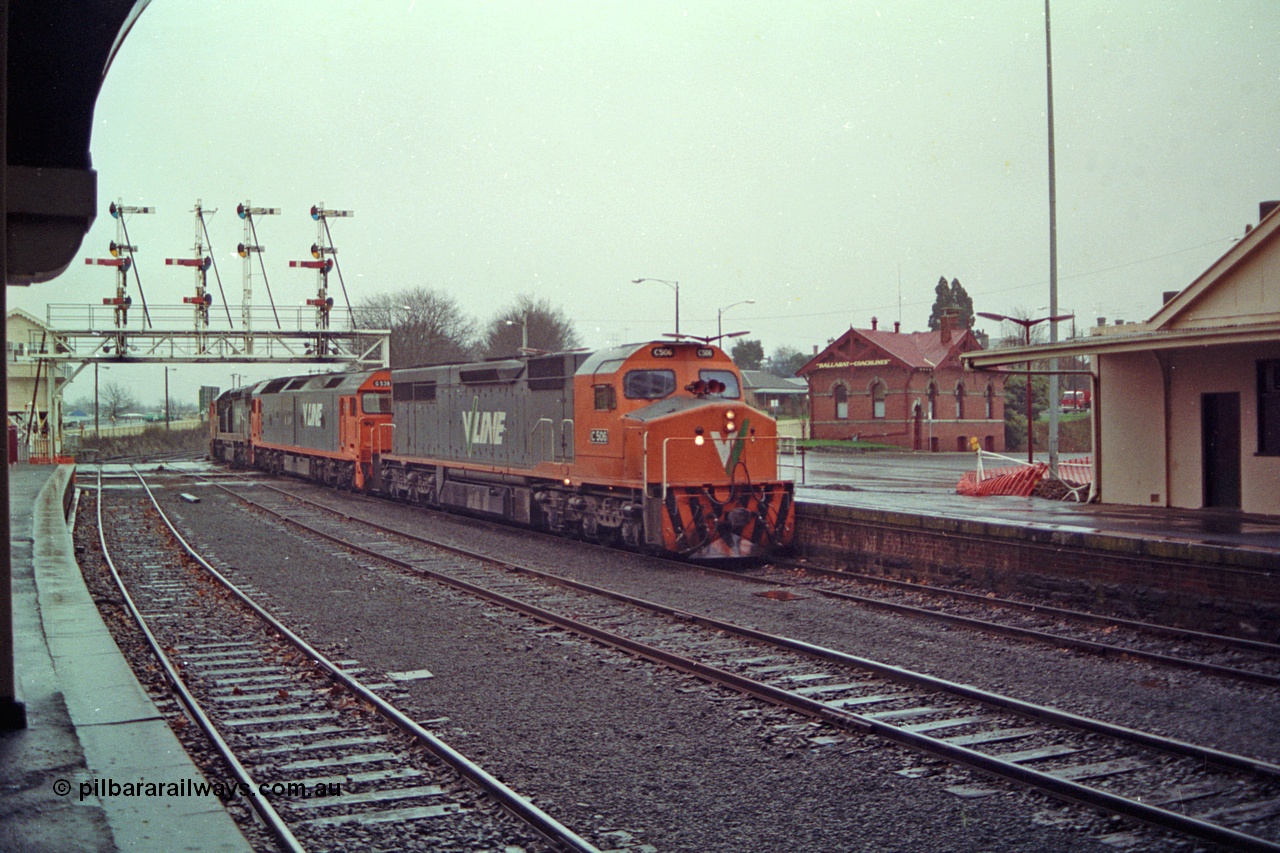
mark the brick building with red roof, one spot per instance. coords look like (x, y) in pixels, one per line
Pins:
(904, 388)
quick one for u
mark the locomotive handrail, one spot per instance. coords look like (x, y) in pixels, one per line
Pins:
(563, 433)
(753, 438)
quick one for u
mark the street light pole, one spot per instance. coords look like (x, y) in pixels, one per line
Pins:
(524, 330)
(720, 314)
(674, 285)
(1053, 251)
(1026, 329)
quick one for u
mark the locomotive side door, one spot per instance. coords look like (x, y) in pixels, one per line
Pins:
(348, 427)
(255, 427)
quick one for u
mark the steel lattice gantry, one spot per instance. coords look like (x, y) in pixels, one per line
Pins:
(358, 349)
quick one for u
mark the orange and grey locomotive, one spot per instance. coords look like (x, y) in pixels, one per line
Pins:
(650, 446)
(320, 427)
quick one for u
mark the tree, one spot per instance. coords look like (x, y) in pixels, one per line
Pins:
(1015, 408)
(748, 355)
(115, 400)
(427, 326)
(785, 361)
(81, 404)
(951, 299)
(545, 328)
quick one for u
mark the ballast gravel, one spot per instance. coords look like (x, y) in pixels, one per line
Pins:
(638, 757)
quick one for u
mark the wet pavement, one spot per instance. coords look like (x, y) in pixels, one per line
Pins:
(89, 722)
(925, 484)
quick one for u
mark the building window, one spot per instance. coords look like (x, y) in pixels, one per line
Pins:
(1269, 407)
(933, 402)
(877, 399)
(991, 402)
(959, 401)
(841, 395)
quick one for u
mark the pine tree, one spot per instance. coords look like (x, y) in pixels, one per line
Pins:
(952, 299)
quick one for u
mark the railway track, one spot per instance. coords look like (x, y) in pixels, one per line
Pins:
(325, 761)
(1178, 786)
(1235, 658)
(1224, 656)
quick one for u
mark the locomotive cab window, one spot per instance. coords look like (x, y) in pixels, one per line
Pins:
(606, 398)
(728, 377)
(649, 384)
(375, 403)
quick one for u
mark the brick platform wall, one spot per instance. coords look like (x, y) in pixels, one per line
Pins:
(1227, 590)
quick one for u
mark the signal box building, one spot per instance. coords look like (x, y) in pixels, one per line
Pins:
(905, 388)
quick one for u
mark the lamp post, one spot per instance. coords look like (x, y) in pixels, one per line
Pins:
(720, 314)
(523, 323)
(674, 285)
(1026, 329)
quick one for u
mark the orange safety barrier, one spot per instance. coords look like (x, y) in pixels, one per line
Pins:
(52, 460)
(1016, 480)
(1079, 471)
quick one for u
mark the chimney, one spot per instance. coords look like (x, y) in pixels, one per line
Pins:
(875, 321)
(944, 324)
(1102, 321)
(815, 349)
(897, 324)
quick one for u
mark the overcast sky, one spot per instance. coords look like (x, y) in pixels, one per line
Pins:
(828, 160)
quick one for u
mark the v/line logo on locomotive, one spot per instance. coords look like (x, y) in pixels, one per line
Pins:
(729, 446)
(483, 427)
(313, 414)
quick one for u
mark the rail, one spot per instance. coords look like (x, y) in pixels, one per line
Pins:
(261, 805)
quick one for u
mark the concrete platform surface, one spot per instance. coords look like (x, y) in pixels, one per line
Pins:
(89, 721)
(924, 484)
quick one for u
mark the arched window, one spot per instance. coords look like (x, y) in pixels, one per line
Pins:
(933, 402)
(991, 401)
(959, 401)
(841, 395)
(877, 399)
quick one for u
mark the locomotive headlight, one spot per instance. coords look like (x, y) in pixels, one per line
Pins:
(698, 437)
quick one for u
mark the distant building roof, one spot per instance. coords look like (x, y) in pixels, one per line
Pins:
(762, 381)
(924, 350)
(30, 318)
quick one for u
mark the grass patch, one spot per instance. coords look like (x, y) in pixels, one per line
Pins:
(828, 443)
(153, 441)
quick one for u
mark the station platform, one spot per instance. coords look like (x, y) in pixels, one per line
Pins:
(88, 719)
(898, 515)
(924, 485)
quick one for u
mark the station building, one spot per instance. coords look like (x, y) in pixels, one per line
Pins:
(907, 389)
(1186, 406)
(33, 384)
(779, 396)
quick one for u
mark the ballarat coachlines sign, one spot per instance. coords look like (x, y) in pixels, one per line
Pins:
(870, 362)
